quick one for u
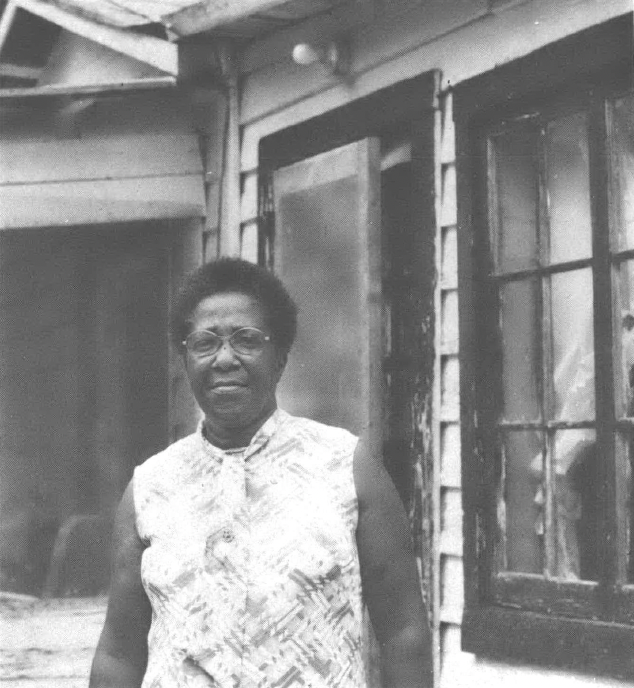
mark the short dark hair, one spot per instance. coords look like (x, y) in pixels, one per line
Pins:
(236, 275)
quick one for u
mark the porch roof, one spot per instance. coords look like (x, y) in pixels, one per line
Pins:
(181, 18)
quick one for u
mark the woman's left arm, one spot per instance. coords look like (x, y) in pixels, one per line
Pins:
(390, 579)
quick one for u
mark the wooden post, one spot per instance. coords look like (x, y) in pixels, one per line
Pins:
(230, 200)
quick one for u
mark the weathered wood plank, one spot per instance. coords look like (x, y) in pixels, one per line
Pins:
(93, 158)
(575, 645)
(92, 202)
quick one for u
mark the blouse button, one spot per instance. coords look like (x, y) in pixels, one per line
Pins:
(227, 535)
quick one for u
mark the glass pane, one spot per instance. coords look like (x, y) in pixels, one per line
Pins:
(623, 161)
(568, 188)
(573, 345)
(625, 402)
(520, 357)
(575, 494)
(515, 201)
(519, 507)
(320, 251)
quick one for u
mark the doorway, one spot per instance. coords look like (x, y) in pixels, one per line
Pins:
(348, 220)
(84, 394)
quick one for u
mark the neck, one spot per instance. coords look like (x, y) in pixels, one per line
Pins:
(227, 436)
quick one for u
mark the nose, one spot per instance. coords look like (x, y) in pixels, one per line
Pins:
(225, 357)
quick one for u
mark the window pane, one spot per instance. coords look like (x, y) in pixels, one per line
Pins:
(625, 404)
(515, 201)
(575, 495)
(519, 509)
(568, 188)
(623, 153)
(520, 357)
(573, 345)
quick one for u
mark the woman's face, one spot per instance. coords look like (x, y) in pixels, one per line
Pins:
(235, 392)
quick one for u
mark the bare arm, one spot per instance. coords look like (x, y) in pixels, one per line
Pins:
(390, 578)
(121, 655)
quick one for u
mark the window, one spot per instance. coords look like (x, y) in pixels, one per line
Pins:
(546, 211)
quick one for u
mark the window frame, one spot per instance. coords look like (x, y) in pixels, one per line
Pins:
(574, 625)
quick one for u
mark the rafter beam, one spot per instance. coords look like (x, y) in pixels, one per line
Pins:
(153, 51)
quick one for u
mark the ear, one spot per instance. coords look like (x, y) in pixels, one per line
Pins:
(281, 360)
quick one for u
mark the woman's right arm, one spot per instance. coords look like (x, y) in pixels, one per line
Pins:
(121, 656)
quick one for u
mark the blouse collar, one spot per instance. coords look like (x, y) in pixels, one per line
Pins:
(259, 440)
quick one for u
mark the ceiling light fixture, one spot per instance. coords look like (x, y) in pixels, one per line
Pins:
(334, 57)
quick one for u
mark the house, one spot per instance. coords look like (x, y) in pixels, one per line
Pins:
(447, 186)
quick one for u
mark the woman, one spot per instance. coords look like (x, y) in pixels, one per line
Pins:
(241, 552)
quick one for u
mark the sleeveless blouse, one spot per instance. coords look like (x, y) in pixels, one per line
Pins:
(251, 565)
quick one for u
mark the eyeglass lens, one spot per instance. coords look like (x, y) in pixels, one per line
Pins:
(247, 341)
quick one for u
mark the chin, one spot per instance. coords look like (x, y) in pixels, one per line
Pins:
(231, 416)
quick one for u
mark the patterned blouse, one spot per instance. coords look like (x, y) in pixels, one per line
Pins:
(251, 565)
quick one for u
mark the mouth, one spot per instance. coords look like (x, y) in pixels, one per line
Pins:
(226, 385)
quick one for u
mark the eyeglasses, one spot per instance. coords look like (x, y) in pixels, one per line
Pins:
(247, 341)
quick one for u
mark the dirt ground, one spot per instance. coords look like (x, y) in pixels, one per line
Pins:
(48, 643)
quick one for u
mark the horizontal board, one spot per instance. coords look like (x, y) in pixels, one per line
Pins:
(87, 158)
(450, 455)
(93, 202)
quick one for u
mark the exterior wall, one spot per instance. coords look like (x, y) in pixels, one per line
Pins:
(462, 38)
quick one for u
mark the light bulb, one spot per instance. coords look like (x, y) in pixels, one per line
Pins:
(306, 54)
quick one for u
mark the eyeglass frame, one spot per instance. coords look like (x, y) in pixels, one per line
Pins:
(224, 339)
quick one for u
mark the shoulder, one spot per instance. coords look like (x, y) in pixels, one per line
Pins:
(313, 432)
(167, 460)
(158, 478)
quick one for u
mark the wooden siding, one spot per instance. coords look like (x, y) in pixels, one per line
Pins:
(449, 520)
(109, 163)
